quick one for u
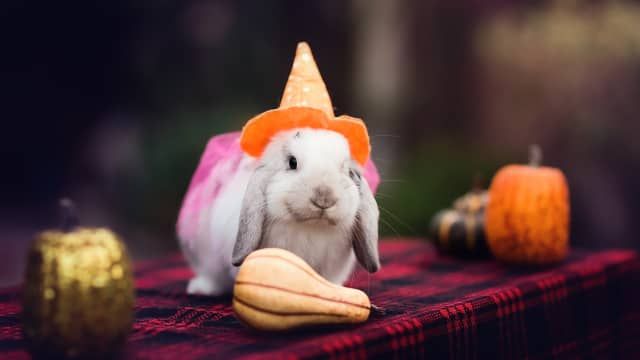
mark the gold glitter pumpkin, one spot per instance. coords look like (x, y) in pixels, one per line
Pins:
(78, 294)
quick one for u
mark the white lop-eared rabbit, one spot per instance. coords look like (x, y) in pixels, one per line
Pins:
(304, 194)
(301, 189)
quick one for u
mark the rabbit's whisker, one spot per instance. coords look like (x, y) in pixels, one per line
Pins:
(390, 226)
(398, 220)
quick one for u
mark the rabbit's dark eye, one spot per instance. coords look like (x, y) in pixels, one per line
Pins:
(293, 163)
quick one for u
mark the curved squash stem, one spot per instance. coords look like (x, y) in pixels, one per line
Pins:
(535, 155)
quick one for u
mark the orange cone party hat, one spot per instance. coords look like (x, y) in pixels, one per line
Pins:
(305, 104)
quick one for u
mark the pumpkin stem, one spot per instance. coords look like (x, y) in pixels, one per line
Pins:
(535, 155)
(478, 182)
(68, 213)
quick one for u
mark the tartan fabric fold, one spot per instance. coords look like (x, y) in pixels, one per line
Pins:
(432, 306)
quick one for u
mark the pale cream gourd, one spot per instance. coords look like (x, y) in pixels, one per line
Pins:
(277, 290)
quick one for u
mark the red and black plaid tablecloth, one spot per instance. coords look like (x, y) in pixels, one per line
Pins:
(435, 307)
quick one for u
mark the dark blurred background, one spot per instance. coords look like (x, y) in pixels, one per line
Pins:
(111, 103)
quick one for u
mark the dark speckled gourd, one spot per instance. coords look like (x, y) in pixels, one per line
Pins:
(460, 230)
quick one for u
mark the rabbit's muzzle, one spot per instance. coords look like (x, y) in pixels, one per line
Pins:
(323, 197)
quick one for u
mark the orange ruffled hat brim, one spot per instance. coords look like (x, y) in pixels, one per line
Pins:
(258, 131)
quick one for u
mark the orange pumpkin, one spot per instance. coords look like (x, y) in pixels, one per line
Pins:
(527, 216)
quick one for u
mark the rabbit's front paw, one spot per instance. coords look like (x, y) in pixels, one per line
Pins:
(201, 285)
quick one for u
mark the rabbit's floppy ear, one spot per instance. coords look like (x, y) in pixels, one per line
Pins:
(252, 216)
(364, 235)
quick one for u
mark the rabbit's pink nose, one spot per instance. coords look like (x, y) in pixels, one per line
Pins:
(323, 197)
